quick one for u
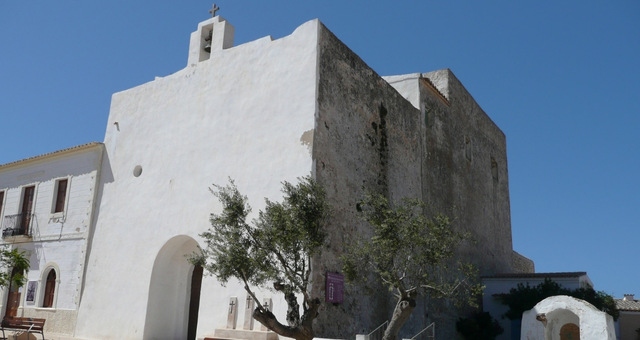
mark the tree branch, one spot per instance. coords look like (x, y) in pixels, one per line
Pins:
(293, 310)
(249, 291)
(442, 291)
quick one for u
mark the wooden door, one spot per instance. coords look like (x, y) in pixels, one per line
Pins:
(13, 300)
(570, 331)
(194, 302)
(49, 289)
(27, 209)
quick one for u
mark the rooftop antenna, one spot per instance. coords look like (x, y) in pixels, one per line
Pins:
(213, 10)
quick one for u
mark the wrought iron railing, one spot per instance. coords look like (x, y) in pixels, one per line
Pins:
(428, 333)
(378, 333)
(17, 225)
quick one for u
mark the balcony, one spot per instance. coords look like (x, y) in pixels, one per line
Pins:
(17, 227)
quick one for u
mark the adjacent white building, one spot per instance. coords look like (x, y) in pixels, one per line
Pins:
(47, 209)
(628, 324)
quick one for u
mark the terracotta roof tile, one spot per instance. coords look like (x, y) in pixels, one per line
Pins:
(437, 91)
(628, 305)
(77, 147)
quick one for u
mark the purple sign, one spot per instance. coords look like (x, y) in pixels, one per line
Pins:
(334, 288)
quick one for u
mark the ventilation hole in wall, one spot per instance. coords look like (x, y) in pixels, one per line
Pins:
(137, 171)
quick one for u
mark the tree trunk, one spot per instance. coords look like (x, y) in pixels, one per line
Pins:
(301, 331)
(401, 314)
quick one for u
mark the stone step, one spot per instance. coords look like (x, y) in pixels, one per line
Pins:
(241, 334)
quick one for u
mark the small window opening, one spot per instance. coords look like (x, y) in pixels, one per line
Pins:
(61, 195)
(494, 169)
(468, 148)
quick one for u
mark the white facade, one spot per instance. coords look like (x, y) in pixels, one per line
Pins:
(167, 142)
(53, 240)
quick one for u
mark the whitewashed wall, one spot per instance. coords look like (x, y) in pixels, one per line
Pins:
(561, 310)
(241, 114)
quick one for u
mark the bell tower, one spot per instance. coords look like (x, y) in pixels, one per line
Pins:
(212, 35)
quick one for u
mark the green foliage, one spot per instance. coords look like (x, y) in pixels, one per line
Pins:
(480, 326)
(524, 297)
(10, 260)
(275, 247)
(598, 299)
(410, 252)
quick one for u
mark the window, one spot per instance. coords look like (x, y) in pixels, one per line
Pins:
(60, 195)
(26, 210)
(49, 289)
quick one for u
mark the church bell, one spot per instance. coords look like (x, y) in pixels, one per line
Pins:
(207, 45)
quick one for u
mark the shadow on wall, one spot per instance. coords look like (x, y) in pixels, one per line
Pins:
(104, 176)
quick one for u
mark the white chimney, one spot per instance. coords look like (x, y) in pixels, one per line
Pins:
(628, 297)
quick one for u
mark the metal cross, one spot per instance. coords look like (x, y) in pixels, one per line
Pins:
(213, 10)
(231, 304)
(248, 302)
(266, 305)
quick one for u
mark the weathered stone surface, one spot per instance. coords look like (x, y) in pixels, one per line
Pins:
(227, 334)
(365, 138)
(419, 135)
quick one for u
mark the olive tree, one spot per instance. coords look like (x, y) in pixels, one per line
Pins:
(276, 249)
(13, 261)
(411, 255)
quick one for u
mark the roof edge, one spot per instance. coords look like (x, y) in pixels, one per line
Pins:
(534, 275)
(57, 153)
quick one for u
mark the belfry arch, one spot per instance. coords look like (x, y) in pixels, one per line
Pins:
(170, 291)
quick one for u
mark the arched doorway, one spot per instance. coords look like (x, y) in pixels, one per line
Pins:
(173, 293)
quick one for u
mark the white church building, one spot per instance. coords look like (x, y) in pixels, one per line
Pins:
(108, 226)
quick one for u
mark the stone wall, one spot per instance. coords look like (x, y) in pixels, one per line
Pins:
(430, 140)
(465, 169)
(366, 139)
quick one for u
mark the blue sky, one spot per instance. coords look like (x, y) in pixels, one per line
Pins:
(561, 79)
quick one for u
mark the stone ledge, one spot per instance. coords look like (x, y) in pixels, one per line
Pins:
(231, 334)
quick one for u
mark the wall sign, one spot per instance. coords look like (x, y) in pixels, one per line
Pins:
(334, 290)
(32, 286)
